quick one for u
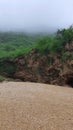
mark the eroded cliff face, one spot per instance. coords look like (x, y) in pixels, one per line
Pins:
(45, 68)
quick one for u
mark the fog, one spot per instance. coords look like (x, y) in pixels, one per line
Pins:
(35, 15)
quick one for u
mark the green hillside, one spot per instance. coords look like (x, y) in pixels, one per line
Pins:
(14, 44)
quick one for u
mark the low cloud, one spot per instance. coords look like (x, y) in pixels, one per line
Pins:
(35, 15)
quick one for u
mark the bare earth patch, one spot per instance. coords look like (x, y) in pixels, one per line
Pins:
(34, 106)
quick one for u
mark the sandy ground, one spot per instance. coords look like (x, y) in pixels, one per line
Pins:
(34, 106)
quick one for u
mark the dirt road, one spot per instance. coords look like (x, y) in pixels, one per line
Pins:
(34, 106)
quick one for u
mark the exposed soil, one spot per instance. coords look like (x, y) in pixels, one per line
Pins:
(34, 106)
(46, 68)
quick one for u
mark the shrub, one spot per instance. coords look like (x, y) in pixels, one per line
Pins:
(2, 78)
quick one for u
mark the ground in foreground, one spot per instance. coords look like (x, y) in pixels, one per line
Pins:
(34, 106)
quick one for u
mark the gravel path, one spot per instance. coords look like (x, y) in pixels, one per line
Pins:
(34, 106)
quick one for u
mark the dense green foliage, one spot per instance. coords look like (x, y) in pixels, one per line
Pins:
(14, 44)
(55, 44)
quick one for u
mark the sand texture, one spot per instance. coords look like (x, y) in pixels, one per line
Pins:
(34, 106)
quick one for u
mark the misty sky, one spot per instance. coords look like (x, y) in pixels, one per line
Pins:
(35, 15)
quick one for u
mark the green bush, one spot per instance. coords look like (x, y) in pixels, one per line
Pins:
(7, 68)
(2, 78)
(43, 45)
(55, 44)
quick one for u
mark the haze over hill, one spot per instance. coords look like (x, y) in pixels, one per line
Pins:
(35, 15)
